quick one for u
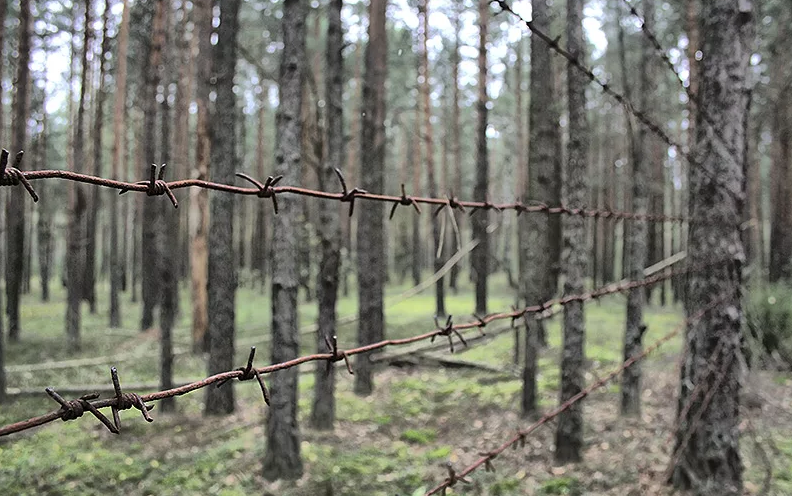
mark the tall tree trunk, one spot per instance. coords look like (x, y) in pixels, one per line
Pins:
(3, 14)
(453, 277)
(707, 452)
(168, 230)
(222, 267)
(428, 140)
(259, 244)
(371, 273)
(44, 223)
(534, 230)
(415, 160)
(323, 411)
(480, 255)
(781, 170)
(199, 197)
(119, 132)
(150, 279)
(15, 201)
(75, 258)
(569, 433)
(637, 249)
(282, 458)
(94, 194)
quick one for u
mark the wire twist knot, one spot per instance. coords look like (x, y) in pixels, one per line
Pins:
(12, 176)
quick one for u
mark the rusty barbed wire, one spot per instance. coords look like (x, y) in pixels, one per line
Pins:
(692, 96)
(619, 97)
(157, 186)
(518, 439)
(71, 410)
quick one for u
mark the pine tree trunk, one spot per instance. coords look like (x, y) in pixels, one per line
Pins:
(259, 243)
(44, 223)
(480, 255)
(75, 258)
(3, 13)
(637, 249)
(569, 433)
(707, 452)
(94, 194)
(282, 457)
(417, 255)
(323, 411)
(151, 282)
(428, 140)
(453, 277)
(119, 131)
(534, 230)
(222, 266)
(370, 251)
(15, 200)
(199, 198)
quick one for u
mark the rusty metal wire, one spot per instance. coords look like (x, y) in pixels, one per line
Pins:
(157, 186)
(71, 410)
(607, 89)
(518, 439)
(693, 97)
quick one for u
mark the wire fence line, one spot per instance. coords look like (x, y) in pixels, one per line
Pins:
(725, 149)
(520, 437)
(73, 409)
(157, 186)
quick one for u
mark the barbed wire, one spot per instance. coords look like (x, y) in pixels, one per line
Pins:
(73, 409)
(157, 186)
(619, 97)
(692, 96)
(520, 437)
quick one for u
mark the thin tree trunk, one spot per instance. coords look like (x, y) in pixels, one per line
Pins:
(94, 195)
(282, 457)
(15, 200)
(455, 137)
(199, 198)
(323, 411)
(3, 14)
(706, 455)
(637, 250)
(150, 279)
(569, 433)
(75, 258)
(417, 256)
(370, 251)
(222, 267)
(428, 140)
(480, 255)
(119, 132)
(259, 245)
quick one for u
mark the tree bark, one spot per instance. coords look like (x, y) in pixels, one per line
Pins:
(637, 250)
(707, 452)
(323, 412)
(222, 267)
(370, 247)
(480, 255)
(3, 14)
(199, 197)
(150, 279)
(282, 458)
(569, 433)
(534, 230)
(119, 131)
(453, 277)
(15, 202)
(428, 140)
(75, 258)
(94, 194)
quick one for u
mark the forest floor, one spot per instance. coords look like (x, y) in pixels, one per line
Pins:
(393, 442)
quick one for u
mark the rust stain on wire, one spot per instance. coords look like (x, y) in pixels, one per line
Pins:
(74, 409)
(519, 438)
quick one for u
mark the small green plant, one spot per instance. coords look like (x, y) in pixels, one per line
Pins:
(567, 486)
(419, 436)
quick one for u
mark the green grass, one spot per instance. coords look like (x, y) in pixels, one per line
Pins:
(391, 443)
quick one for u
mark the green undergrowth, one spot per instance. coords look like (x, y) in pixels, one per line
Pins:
(395, 442)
